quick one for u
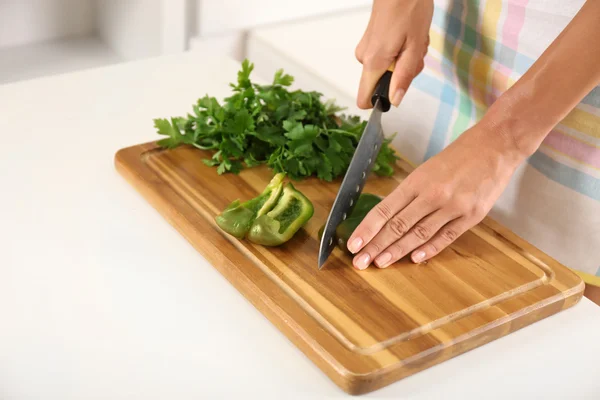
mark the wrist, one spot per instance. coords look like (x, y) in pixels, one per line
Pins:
(492, 142)
(515, 124)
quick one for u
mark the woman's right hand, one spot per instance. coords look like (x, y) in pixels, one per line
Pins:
(398, 32)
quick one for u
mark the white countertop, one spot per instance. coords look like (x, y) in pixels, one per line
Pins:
(100, 298)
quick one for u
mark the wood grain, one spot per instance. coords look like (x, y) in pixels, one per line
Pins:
(364, 329)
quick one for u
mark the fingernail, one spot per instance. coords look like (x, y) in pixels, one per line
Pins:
(383, 259)
(398, 97)
(355, 245)
(363, 261)
(418, 256)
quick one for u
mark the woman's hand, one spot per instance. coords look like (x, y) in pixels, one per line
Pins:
(439, 201)
(398, 32)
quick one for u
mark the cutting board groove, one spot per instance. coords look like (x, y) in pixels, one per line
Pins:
(363, 329)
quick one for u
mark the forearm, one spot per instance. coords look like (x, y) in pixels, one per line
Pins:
(565, 73)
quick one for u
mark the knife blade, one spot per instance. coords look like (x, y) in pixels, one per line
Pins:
(360, 166)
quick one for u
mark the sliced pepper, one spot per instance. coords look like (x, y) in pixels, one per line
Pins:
(238, 217)
(364, 204)
(276, 227)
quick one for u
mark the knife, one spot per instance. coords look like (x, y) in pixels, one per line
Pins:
(359, 168)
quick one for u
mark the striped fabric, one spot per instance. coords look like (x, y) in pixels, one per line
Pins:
(479, 48)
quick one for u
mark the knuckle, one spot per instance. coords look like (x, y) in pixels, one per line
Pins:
(374, 248)
(398, 226)
(410, 71)
(372, 58)
(433, 248)
(396, 251)
(361, 231)
(378, 57)
(463, 205)
(422, 232)
(358, 53)
(368, 58)
(440, 194)
(478, 211)
(456, 206)
(405, 77)
(384, 211)
(409, 182)
(421, 67)
(412, 47)
(449, 235)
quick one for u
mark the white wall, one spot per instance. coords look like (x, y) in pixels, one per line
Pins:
(33, 21)
(133, 28)
(231, 45)
(145, 28)
(222, 16)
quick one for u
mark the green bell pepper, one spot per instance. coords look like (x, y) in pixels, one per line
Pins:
(364, 204)
(291, 212)
(238, 217)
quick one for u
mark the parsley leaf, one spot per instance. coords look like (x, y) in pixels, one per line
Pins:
(281, 79)
(325, 169)
(242, 122)
(301, 147)
(170, 129)
(296, 132)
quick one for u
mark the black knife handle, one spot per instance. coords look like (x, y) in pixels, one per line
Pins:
(382, 92)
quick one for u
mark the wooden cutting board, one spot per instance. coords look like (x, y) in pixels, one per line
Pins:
(364, 329)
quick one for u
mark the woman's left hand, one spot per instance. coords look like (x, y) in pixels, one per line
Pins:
(440, 200)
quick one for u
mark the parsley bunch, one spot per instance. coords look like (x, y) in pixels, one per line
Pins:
(294, 132)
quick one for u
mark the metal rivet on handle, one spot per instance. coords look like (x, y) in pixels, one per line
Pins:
(375, 147)
(357, 188)
(351, 202)
(370, 161)
(330, 241)
(364, 175)
(344, 217)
